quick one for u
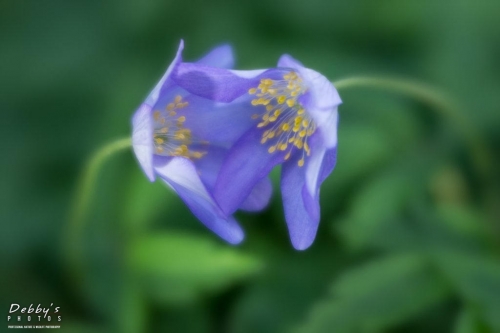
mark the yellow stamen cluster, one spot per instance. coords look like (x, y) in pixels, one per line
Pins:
(170, 137)
(287, 124)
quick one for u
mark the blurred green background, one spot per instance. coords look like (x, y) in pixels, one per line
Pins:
(409, 239)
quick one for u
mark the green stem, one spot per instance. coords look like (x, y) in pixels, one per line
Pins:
(441, 103)
(73, 246)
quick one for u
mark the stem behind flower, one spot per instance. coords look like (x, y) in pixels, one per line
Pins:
(439, 102)
(72, 238)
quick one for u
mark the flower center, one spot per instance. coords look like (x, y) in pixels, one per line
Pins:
(286, 124)
(170, 137)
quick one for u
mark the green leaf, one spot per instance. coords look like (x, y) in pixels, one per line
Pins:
(464, 221)
(378, 203)
(144, 201)
(361, 149)
(477, 279)
(469, 323)
(377, 296)
(131, 310)
(178, 267)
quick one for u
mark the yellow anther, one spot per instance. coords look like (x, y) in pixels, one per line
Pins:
(181, 119)
(262, 124)
(302, 133)
(290, 102)
(283, 147)
(277, 113)
(291, 140)
(305, 122)
(285, 127)
(301, 162)
(197, 154)
(263, 140)
(177, 99)
(272, 91)
(287, 156)
(296, 128)
(298, 120)
(294, 93)
(265, 117)
(159, 150)
(281, 99)
(271, 134)
(180, 136)
(264, 101)
(272, 149)
(264, 89)
(272, 118)
(172, 113)
(269, 107)
(267, 82)
(255, 101)
(170, 106)
(300, 112)
(156, 115)
(159, 141)
(164, 130)
(306, 148)
(252, 91)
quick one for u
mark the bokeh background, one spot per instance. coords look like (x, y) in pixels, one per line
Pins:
(409, 239)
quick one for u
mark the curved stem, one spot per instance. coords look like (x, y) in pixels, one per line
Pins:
(439, 102)
(83, 193)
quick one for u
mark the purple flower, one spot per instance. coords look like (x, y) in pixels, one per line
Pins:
(182, 138)
(290, 118)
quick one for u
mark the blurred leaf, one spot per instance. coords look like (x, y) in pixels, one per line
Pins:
(184, 319)
(178, 267)
(144, 201)
(464, 221)
(378, 295)
(361, 149)
(131, 315)
(477, 280)
(469, 323)
(378, 203)
(278, 299)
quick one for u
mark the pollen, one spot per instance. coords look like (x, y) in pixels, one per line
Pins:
(170, 136)
(285, 122)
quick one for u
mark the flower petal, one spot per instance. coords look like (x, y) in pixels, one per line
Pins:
(218, 123)
(259, 197)
(246, 164)
(288, 61)
(142, 143)
(221, 56)
(155, 93)
(323, 99)
(218, 84)
(300, 192)
(208, 169)
(181, 174)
